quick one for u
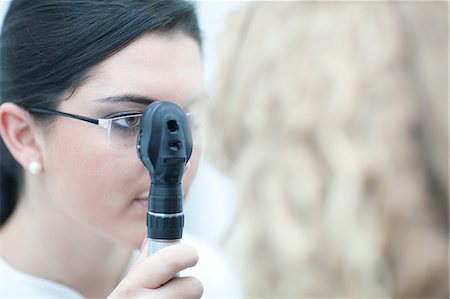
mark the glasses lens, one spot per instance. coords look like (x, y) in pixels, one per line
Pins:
(196, 123)
(124, 131)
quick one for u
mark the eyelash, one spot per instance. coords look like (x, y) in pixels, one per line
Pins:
(123, 113)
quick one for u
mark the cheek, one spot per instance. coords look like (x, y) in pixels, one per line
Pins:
(87, 174)
(95, 184)
(78, 161)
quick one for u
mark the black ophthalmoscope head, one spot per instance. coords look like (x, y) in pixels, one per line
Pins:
(165, 142)
(164, 146)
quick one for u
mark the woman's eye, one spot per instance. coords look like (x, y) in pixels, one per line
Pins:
(133, 121)
(129, 122)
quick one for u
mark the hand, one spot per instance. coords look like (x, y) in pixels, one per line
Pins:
(153, 276)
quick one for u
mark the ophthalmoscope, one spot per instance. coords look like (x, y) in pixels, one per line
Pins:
(164, 145)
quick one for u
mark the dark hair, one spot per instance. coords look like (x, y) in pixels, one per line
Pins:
(48, 47)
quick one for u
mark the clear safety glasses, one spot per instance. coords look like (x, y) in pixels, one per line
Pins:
(122, 131)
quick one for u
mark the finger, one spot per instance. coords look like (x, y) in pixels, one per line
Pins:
(183, 287)
(142, 255)
(160, 267)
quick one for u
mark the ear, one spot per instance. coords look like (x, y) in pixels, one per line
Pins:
(20, 134)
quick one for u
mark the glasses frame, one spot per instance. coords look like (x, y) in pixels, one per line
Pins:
(102, 122)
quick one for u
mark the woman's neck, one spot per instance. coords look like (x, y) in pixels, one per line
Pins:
(49, 245)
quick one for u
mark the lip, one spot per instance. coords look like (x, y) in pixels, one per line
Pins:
(142, 202)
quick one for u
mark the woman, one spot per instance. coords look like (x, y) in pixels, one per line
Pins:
(71, 220)
(333, 122)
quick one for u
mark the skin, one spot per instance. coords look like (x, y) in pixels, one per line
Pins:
(87, 192)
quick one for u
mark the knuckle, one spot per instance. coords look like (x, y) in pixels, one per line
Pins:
(123, 291)
(180, 257)
(195, 289)
(191, 250)
(191, 255)
(194, 255)
(130, 291)
(173, 263)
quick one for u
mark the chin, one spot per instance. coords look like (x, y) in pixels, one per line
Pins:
(134, 243)
(131, 237)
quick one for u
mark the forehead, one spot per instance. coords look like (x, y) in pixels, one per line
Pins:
(157, 66)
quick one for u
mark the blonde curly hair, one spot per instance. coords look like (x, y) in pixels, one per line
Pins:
(332, 119)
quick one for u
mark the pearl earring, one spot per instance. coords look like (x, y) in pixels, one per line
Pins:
(35, 167)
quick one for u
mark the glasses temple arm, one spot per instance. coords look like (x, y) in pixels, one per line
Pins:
(55, 112)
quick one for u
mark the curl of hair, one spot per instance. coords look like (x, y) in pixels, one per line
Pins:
(333, 122)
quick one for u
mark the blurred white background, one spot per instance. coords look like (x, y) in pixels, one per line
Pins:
(211, 201)
(3, 6)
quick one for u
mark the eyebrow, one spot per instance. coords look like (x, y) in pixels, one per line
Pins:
(127, 98)
(144, 100)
